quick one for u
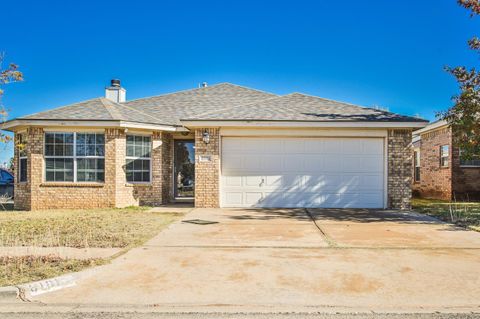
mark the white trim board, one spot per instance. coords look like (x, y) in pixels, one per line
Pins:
(69, 123)
(305, 124)
(302, 132)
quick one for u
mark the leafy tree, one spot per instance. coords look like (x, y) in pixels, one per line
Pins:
(464, 115)
(8, 75)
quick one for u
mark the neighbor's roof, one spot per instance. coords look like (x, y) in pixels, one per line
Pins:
(224, 102)
(301, 107)
(430, 127)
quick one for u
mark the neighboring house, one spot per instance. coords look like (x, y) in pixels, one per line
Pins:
(220, 146)
(439, 172)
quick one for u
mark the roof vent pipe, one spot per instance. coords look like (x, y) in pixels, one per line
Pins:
(204, 84)
(115, 92)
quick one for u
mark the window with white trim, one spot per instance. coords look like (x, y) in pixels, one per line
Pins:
(416, 175)
(74, 157)
(22, 159)
(138, 159)
(444, 155)
(474, 161)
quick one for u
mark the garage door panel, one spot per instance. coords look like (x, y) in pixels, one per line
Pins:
(292, 182)
(372, 147)
(233, 199)
(255, 181)
(252, 162)
(233, 181)
(293, 146)
(253, 198)
(372, 164)
(332, 163)
(273, 181)
(332, 146)
(293, 163)
(372, 182)
(271, 163)
(314, 145)
(350, 147)
(313, 163)
(303, 172)
(352, 163)
(232, 162)
(272, 146)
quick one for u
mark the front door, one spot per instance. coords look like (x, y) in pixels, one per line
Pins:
(184, 168)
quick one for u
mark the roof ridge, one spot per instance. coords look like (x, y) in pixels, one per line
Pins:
(198, 89)
(111, 109)
(138, 111)
(249, 88)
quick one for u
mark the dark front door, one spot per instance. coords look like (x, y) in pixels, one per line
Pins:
(184, 168)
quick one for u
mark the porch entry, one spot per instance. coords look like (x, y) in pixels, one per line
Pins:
(184, 168)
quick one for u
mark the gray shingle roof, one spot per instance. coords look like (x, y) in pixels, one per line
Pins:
(175, 106)
(164, 109)
(219, 102)
(301, 107)
(99, 109)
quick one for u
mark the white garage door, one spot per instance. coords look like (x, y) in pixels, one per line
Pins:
(302, 172)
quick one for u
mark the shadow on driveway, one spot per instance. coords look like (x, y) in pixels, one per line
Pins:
(371, 216)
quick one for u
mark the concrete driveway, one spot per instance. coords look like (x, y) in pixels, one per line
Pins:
(291, 259)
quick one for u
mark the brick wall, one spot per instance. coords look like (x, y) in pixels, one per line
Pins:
(167, 168)
(399, 168)
(465, 180)
(435, 181)
(207, 177)
(36, 194)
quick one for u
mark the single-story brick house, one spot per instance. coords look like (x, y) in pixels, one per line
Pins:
(439, 170)
(220, 146)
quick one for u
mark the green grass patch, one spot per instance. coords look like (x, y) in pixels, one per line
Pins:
(126, 227)
(18, 270)
(460, 213)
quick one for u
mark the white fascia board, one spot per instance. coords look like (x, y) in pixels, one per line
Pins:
(304, 124)
(302, 132)
(9, 126)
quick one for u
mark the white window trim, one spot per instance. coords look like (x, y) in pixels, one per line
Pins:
(444, 156)
(139, 158)
(74, 157)
(416, 160)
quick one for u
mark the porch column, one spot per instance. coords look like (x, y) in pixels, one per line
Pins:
(207, 168)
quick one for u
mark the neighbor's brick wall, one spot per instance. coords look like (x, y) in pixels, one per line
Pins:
(399, 168)
(465, 180)
(435, 181)
(207, 177)
(36, 194)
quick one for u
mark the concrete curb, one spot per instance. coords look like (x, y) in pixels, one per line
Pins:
(474, 228)
(8, 293)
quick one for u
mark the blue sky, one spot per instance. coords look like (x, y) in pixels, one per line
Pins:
(372, 53)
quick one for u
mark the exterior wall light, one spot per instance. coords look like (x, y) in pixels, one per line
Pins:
(206, 137)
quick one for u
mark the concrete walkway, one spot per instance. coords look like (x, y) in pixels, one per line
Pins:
(273, 260)
(62, 252)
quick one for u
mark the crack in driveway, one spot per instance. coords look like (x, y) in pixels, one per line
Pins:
(330, 242)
